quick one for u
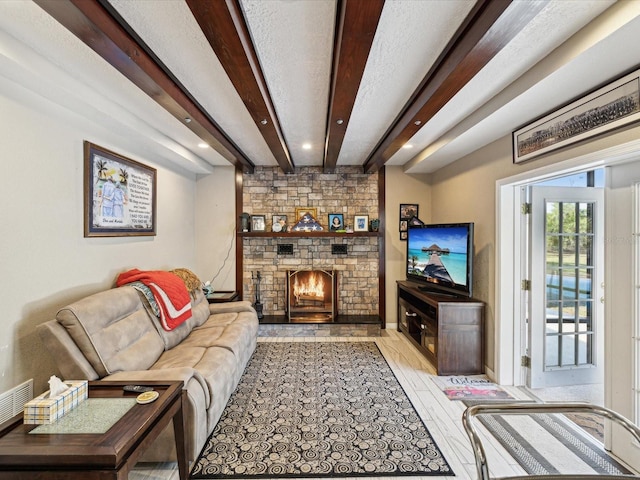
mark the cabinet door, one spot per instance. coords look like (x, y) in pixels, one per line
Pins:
(409, 320)
(429, 340)
(461, 348)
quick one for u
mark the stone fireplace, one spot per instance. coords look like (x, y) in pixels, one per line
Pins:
(354, 259)
(311, 295)
(357, 270)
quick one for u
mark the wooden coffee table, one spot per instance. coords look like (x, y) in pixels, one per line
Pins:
(109, 455)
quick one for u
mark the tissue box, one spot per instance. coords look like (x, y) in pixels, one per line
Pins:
(43, 409)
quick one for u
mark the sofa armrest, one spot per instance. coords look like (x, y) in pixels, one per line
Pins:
(185, 374)
(231, 307)
(71, 362)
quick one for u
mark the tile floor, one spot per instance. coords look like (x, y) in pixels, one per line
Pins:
(441, 416)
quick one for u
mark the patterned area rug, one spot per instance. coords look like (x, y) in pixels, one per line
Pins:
(319, 409)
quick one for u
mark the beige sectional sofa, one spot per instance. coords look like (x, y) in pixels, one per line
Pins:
(112, 335)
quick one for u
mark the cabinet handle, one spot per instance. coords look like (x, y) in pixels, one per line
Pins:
(410, 314)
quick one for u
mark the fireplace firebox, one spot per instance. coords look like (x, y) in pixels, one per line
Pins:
(311, 295)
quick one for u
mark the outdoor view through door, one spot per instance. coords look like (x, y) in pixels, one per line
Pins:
(566, 314)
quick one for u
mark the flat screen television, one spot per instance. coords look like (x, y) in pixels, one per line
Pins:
(440, 258)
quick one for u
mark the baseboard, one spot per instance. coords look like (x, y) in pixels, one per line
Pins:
(490, 373)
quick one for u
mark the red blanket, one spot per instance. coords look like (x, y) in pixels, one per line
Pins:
(169, 292)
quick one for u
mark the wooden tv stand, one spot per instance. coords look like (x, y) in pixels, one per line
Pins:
(448, 330)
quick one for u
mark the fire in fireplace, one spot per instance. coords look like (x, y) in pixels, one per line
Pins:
(311, 295)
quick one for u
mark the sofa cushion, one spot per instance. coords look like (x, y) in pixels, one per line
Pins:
(238, 334)
(114, 331)
(217, 365)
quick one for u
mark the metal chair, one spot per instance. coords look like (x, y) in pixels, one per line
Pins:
(524, 408)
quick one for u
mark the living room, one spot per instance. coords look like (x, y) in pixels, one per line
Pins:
(48, 263)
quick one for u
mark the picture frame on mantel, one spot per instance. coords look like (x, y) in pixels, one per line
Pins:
(119, 195)
(336, 222)
(301, 211)
(361, 223)
(279, 223)
(258, 223)
(610, 107)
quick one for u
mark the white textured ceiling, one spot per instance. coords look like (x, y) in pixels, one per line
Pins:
(410, 36)
(560, 51)
(294, 41)
(537, 40)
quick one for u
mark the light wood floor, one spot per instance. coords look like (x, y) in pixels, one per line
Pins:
(441, 416)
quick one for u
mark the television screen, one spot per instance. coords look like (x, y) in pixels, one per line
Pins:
(441, 257)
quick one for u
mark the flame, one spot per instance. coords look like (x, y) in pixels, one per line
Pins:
(313, 287)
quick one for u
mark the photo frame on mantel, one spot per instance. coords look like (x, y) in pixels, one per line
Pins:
(119, 195)
(361, 223)
(336, 222)
(258, 223)
(301, 211)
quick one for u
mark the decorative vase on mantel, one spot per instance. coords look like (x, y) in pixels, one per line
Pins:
(245, 222)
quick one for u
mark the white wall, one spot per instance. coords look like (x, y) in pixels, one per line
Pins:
(467, 189)
(215, 227)
(621, 297)
(45, 260)
(400, 188)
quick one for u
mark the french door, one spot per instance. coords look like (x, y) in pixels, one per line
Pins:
(566, 314)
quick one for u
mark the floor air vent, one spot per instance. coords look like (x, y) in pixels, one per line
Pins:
(12, 402)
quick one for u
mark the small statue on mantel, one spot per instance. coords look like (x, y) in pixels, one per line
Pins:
(257, 305)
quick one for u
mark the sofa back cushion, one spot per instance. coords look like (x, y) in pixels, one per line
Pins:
(199, 308)
(200, 314)
(114, 331)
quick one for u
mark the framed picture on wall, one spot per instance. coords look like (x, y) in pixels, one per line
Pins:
(408, 210)
(408, 214)
(612, 106)
(119, 195)
(415, 222)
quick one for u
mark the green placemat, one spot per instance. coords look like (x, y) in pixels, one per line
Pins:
(94, 415)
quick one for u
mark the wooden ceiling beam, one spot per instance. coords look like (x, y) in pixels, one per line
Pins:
(356, 24)
(111, 39)
(487, 29)
(224, 26)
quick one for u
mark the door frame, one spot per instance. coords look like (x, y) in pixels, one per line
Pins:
(509, 300)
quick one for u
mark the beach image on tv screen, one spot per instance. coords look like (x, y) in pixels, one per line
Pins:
(438, 254)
